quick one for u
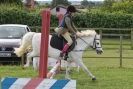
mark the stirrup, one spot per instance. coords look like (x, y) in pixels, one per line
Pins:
(66, 56)
(61, 56)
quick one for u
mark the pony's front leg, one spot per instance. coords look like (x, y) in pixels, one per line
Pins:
(81, 64)
(78, 60)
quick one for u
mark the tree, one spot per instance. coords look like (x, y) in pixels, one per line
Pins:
(60, 2)
(19, 2)
(91, 4)
(107, 5)
(124, 7)
(85, 3)
(29, 4)
(118, 6)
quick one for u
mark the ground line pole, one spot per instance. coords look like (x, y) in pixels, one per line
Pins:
(44, 43)
(22, 60)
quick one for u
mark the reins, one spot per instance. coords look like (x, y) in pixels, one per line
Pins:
(84, 42)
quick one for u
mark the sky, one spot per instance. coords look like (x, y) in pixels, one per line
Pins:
(71, 0)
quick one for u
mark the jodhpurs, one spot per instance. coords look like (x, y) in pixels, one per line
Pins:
(68, 38)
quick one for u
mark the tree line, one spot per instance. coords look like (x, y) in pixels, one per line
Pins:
(117, 6)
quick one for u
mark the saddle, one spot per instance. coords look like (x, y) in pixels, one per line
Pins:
(58, 42)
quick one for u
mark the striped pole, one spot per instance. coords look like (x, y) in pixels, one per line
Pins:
(36, 83)
(44, 43)
(53, 71)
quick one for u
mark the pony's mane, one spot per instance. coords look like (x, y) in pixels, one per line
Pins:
(87, 33)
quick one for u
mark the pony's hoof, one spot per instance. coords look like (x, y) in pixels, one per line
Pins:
(93, 79)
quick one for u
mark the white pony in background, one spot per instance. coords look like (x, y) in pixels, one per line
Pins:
(85, 39)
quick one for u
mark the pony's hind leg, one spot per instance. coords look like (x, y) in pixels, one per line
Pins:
(81, 64)
(29, 57)
(28, 60)
(36, 63)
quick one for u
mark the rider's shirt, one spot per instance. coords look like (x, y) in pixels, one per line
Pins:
(67, 24)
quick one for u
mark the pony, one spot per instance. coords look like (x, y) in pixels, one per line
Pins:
(85, 39)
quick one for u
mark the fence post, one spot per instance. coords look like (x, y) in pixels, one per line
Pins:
(37, 30)
(100, 32)
(121, 37)
(22, 60)
(132, 38)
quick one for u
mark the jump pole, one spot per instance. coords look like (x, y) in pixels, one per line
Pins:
(44, 43)
(44, 47)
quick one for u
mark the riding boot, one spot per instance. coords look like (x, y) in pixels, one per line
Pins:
(64, 50)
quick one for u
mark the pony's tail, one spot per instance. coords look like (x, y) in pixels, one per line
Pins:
(26, 43)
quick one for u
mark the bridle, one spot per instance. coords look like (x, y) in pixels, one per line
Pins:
(94, 44)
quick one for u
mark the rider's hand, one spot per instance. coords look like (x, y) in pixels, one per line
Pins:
(78, 33)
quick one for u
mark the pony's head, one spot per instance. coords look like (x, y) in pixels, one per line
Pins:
(95, 42)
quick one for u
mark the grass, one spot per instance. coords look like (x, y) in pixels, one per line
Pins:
(16, 71)
(109, 74)
(108, 78)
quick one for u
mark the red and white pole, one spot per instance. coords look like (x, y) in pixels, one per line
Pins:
(53, 71)
(44, 43)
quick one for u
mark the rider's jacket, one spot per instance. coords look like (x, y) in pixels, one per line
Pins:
(66, 25)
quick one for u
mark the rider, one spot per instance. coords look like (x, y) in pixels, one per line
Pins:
(67, 28)
(59, 15)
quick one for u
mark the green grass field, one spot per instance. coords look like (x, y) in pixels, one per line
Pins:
(107, 70)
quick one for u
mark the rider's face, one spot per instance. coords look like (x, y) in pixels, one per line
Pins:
(72, 14)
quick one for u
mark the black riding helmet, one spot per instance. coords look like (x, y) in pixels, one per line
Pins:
(71, 9)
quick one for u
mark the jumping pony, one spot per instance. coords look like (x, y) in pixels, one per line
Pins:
(87, 38)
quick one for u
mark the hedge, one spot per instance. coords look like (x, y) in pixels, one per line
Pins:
(105, 20)
(85, 20)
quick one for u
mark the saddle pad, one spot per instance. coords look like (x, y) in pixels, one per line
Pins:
(59, 42)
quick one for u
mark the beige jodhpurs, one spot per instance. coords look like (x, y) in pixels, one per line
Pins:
(66, 35)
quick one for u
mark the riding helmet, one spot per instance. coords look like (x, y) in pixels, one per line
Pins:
(71, 8)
